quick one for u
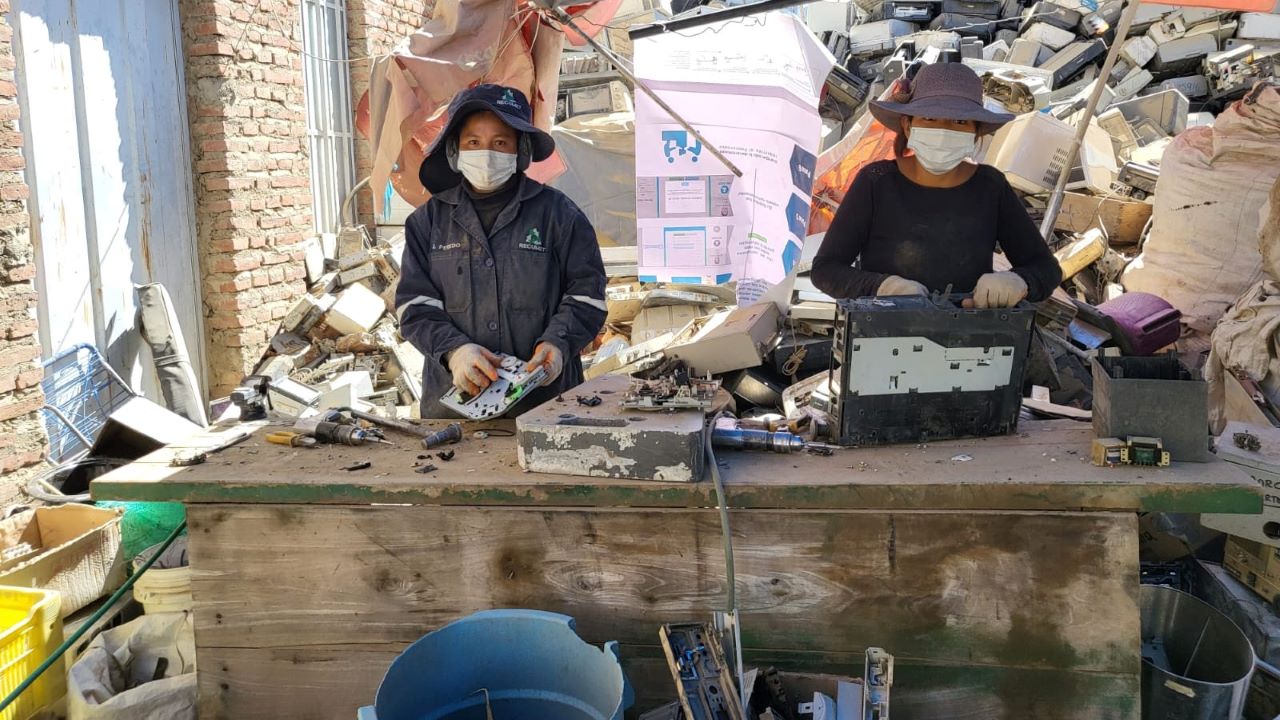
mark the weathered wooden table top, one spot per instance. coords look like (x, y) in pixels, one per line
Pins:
(1044, 467)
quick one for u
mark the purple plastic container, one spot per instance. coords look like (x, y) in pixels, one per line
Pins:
(1144, 323)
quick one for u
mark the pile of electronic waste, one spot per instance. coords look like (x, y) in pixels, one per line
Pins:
(1043, 56)
(708, 688)
(339, 345)
(1197, 74)
(1204, 75)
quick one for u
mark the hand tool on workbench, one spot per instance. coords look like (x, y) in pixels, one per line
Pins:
(727, 433)
(252, 398)
(447, 436)
(331, 432)
(195, 457)
(291, 438)
(390, 423)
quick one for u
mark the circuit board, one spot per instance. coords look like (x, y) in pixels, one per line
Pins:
(512, 385)
(677, 391)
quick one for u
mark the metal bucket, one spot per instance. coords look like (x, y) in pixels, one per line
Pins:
(1196, 663)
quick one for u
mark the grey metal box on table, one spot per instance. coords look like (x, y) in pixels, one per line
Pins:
(1155, 397)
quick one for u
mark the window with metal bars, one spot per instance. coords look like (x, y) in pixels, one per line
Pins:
(330, 115)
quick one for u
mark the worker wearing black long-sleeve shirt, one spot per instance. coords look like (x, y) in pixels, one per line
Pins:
(929, 219)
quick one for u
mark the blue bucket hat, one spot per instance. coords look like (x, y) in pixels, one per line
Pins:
(509, 104)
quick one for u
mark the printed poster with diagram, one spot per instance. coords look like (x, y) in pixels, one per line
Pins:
(751, 87)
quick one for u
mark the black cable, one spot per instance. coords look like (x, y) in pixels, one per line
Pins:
(727, 538)
(731, 603)
(736, 13)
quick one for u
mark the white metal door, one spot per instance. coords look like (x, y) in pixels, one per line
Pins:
(103, 102)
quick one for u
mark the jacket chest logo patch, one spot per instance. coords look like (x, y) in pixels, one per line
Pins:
(445, 247)
(533, 241)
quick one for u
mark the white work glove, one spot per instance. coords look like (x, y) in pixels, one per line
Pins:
(473, 368)
(998, 290)
(548, 356)
(895, 285)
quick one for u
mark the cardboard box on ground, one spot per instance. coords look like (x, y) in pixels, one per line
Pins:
(74, 549)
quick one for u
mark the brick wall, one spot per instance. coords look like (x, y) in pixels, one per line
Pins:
(22, 439)
(251, 173)
(373, 28)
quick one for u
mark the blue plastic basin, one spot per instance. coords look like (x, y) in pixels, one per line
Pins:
(527, 663)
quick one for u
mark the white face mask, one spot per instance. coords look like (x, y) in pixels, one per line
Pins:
(939, 151)
(486, 170)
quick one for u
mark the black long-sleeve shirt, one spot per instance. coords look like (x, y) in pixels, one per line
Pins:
(935, 236)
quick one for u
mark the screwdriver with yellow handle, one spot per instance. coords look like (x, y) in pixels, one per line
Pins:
(291, 439)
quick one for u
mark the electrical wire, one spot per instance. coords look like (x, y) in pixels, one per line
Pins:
(731, 601)
(792, 366)
(526, 12)
(519, 18)
(731, 598)
(294, 46)
(714, 28)
(244, 30)
(348, 61)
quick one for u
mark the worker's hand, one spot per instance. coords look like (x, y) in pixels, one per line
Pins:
(997, 290)
(473, 368)
(894, 285)
(548, 356)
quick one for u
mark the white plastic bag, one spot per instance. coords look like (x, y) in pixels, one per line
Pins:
(1247, 338)
(1203, 249)
(599, 152)
(99, 681)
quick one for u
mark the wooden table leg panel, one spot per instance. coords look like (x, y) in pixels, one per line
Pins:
(303, 606)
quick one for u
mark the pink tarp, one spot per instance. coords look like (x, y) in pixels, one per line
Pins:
(464, 43)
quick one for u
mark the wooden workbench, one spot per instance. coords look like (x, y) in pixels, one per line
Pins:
(1002, 573)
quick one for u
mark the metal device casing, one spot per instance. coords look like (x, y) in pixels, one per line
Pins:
(922, 369)
(512, 385)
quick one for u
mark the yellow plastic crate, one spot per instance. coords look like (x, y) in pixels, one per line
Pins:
(30, 630)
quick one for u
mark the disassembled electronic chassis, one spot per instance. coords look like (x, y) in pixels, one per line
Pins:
(512, 385)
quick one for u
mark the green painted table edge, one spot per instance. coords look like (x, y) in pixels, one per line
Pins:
(1232, 499)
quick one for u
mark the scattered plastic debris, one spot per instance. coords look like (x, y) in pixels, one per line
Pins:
(1247, 441)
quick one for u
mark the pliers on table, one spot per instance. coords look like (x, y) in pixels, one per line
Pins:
(291, 439)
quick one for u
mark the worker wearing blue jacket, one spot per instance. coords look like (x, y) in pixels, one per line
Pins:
(496, 262)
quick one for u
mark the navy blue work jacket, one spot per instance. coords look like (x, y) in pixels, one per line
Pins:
(536, 277)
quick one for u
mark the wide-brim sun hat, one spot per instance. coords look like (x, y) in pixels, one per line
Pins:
(509, 104)
(942, 91)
